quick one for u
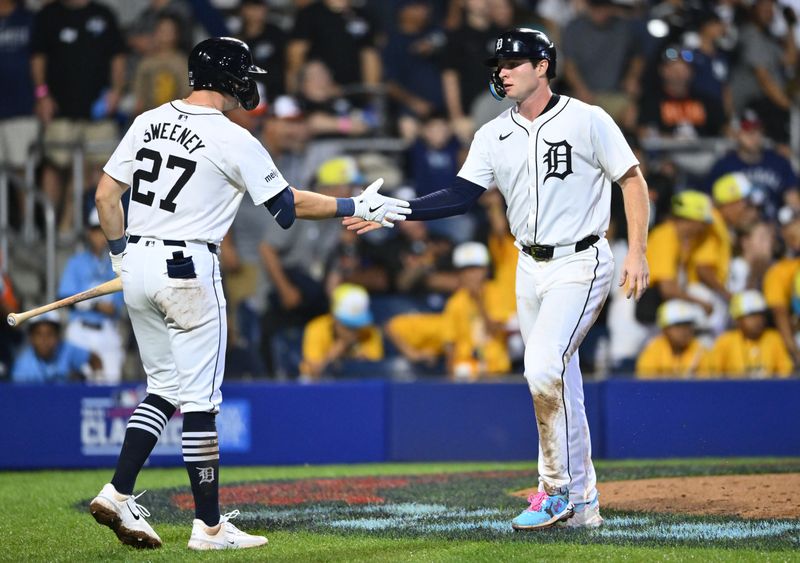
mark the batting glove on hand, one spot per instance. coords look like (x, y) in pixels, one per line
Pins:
(372, 206)
(116, 262)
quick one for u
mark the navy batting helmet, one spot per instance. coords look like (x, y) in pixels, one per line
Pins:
(225, 64)
(521, 43)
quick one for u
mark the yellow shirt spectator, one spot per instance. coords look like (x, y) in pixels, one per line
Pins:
(668, 260)
(466, 329)
(736, 357)
(422, 333)
(319, 337)
(658, 361)
(504, 256)
(778, 282)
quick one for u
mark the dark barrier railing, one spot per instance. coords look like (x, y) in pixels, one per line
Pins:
(374, 421)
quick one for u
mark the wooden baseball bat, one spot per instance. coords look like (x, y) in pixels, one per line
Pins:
(112, 286)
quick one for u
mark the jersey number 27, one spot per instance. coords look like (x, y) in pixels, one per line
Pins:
(146, 198)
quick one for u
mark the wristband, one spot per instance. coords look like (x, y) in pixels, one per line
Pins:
(345, 207)
(117, 246)
(41, 91)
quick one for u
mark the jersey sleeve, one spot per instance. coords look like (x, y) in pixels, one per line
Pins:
(477, 167)
(254, 171)
(120, 165)
(613, 152)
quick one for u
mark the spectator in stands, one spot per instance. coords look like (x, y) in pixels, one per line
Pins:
(328, 112)
(671, 109)
(419, 262)
(245, 289)
(267, 43)
(93, 323)
(419, 337)
(18, 127)
(295, 261)
(433, 159)
(732, 195)
(9, 338)
(710, 66)
(756, 249)
(140, 33)
(759, 79)
(779, 278)
(502, 250)
(357, 260)
(411, 63)
(48, 359)
(161, 74)
(613, 85)
(346, 333)
(285, 133)
(693, 245)
(475, 318)
(463, 80)
(675, 353)
(341, 36)
(751, 350)
(768, 171)
(78, 70)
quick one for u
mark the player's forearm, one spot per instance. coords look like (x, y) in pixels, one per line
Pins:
(109, 207)
(637, 209)
(310, 205)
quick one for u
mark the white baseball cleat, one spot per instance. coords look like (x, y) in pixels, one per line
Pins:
(125, 517)
(587, 515)
(226, 536)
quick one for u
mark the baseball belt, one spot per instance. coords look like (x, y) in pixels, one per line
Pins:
(543, 252)
(134, 239)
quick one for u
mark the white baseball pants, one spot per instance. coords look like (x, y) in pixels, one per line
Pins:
(557, 303)
(179, 324)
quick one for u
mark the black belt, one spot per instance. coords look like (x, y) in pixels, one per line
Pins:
(134, 239)
(540, 252)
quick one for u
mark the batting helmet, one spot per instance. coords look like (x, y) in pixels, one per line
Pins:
(521, 43)
(225, 64)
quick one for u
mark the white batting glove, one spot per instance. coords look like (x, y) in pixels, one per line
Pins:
(116, 262)
(372, 206)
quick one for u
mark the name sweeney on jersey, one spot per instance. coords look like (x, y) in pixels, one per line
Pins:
(174, 132)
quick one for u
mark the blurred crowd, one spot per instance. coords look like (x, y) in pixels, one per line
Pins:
(706, 91)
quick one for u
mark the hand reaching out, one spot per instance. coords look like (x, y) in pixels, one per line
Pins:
(371, 206)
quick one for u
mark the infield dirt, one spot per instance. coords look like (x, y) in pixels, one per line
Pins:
(775, 495)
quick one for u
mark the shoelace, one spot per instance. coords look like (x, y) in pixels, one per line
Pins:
(226, 519)
(139, 507)
(536, 501)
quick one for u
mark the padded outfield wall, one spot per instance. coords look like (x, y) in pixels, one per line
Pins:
(375, 421)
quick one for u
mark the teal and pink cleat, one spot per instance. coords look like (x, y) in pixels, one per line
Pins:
(545, 511)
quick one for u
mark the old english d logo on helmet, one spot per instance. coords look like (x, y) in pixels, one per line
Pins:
(521, 43)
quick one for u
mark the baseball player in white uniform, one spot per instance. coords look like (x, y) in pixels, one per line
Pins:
(188, 167)
(554, 159)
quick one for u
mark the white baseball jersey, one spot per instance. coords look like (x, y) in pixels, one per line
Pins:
(555, 172)
(188, 167)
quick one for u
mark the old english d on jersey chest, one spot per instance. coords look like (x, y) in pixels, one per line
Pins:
(555, 172)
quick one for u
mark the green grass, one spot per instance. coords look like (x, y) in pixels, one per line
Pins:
(43, 520)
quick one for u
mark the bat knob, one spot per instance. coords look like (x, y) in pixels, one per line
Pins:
(11, 319)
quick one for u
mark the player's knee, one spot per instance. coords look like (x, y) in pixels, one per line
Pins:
(541, 370)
